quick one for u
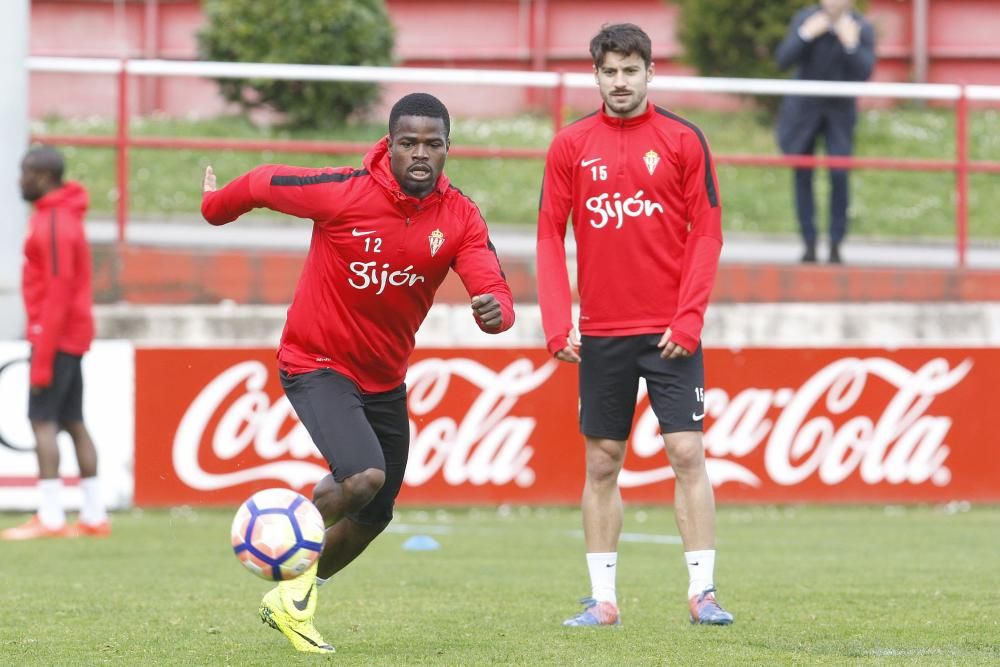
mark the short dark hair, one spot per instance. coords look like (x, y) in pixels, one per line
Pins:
(420, 104)
(46, 159)
(623, 38)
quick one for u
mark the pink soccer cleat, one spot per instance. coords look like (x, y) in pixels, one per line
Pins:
(595, 613)
(706, 611)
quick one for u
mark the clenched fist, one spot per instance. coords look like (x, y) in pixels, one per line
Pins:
(487, 311)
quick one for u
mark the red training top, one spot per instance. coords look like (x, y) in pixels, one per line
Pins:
(55, 280)
(648, 225)
(376, 258)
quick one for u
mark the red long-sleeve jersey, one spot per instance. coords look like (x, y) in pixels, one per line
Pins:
(376, 258)
(55, 280)
(647, 219)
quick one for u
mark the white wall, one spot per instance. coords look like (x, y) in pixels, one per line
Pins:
(727, 325)
(14, 133)
(108, 411)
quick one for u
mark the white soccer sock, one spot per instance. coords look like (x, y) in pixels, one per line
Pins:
(701, 570)
(51, 512)
(92, 511)
(320, 581)
(603, 568)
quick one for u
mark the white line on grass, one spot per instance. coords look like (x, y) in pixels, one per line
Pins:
(407, 528)
(641, 538)
(437, 529)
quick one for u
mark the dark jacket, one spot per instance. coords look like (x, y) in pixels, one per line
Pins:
(822, 59)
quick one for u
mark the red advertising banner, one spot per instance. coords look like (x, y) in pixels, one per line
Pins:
(500, 425)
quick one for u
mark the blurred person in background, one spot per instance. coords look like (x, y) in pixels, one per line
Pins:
(640, 186)
(384, 238)
(55, 284)
(829, 42)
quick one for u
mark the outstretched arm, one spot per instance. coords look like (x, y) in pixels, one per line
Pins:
(299, 191)
(220, 207)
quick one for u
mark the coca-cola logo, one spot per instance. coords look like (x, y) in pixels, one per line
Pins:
(902, 444)
(251, 420)
(487, 445)
(833, 427)
(15, 434)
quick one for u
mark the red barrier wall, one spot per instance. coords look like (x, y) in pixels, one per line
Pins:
(509, 34)
(499, 426)
(144, 275)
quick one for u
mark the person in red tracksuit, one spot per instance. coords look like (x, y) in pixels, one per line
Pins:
(639, 184)
(55, 284)
(384, 238)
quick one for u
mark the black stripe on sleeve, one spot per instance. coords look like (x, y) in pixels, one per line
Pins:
(713, 196)
(54, 242)
(489, 242)
(589, 115)
(316, 179)
(493, 249)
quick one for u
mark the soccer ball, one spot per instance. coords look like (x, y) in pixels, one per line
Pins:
(277, 534)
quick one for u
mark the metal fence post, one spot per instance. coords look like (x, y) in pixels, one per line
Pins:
(121, 145)
(558, 101)
(962, 175)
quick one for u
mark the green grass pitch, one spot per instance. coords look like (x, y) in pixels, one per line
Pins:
(809, 585)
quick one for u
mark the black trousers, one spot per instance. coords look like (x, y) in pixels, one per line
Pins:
(839, 140)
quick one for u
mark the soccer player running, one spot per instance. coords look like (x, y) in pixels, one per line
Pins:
(384, 238)
(639, 183)
(55, 285)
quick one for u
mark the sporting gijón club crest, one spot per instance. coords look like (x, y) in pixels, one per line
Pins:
(436, 239)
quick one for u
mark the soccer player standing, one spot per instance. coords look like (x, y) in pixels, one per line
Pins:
(55, 284)
(384, 238)
(639, 184)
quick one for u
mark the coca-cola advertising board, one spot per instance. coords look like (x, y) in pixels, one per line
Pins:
(500, 426)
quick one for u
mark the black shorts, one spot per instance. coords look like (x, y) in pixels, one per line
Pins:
(609, 383)
(354, 431)
(61, 401)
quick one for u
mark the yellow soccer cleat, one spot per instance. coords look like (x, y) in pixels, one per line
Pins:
(289, 608)
(298, 596)
(302, 634)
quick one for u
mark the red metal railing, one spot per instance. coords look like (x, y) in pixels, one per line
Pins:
(123, 141)
(962, 168)
(121, 149)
